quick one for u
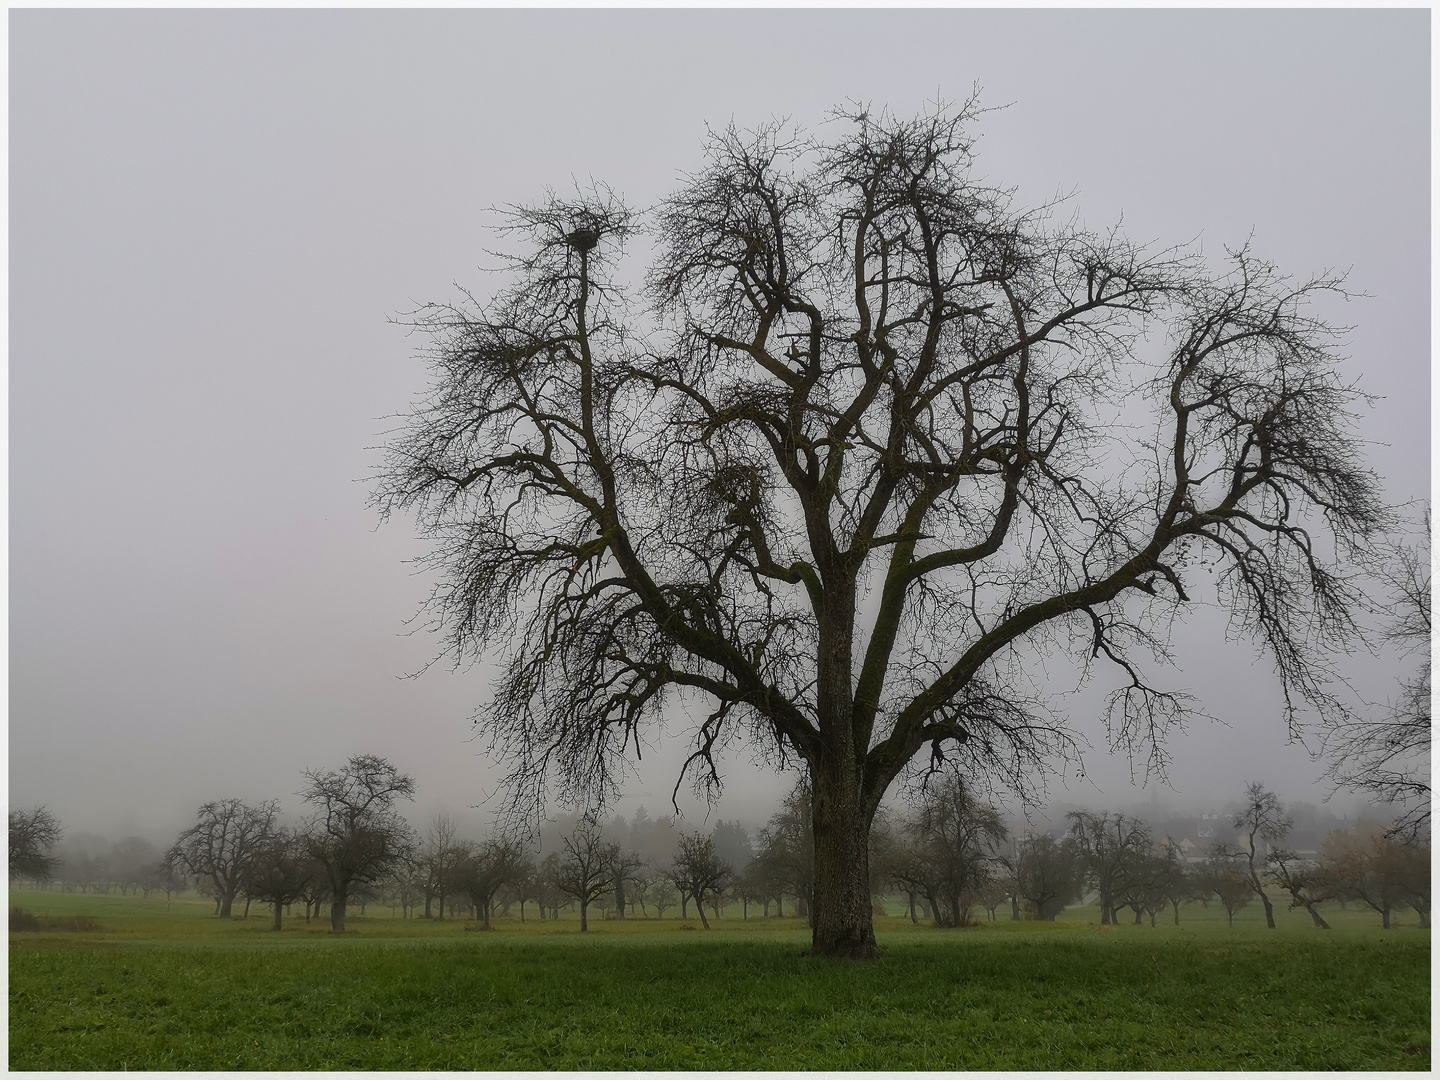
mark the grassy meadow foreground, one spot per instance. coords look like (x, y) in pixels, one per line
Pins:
(157, 986)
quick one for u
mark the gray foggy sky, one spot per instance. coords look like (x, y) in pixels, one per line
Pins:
(213, 214)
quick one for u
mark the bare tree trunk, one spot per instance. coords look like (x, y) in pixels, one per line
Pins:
(277, 915)
(337, 913)
(842, 918)
(584, 916)
(1316, 918)
(1385, 918)
(700, 907)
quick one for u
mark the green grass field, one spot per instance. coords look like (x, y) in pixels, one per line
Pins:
(152, 988)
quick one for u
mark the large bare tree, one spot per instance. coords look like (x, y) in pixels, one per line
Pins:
(227, 837)
(355, 834)
(876, 439)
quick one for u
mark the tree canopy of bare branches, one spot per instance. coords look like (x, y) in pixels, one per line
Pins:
(587, 870)
(33, 833)
(355, 833)
(223, 844)
(873, 439)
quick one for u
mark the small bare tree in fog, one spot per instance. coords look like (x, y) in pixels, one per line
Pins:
(1388, 757)
(356, 834)
(33, 835)
(1377, 868)
(786, 850)
(1306, 883)
(1180, 882)
(219, 848)
(1111, 848)
(440, 861)
(130, 858)
(947, 850)
(487, 868)
(865, 370)
(699, 873)
(280, 871)
(585, 872)
(1262, 819)
(1048, 875)
(626, 865)
(1225, 879)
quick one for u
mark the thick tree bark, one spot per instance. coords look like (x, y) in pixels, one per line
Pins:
(842, 919)
(337, 913)
(584, 916)
(226, 902)
(278, 913)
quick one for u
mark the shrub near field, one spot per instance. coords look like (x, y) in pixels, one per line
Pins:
(183, 990)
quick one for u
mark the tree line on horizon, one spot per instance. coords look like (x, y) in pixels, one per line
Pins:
(949, 855)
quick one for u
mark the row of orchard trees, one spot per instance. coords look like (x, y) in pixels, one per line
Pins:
(948, 855)
(953, 854)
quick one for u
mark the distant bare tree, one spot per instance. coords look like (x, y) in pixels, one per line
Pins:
(280, 871)
(1180, 881)
(1388, 757)
(586, 872)
(786, 850)
(220, 846)
(699, 873)
(951, 849)
(440, 861)
(33, 834)
(1262, 819)
(130, 858)
(1307, 885)
(1048, 874)
(626, 865)
(1412, 874)
(1110, 848)
(487, 868)
(864, 369)
(1377, 869)
(355, 834)
(1227, 881)
(162, 876)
